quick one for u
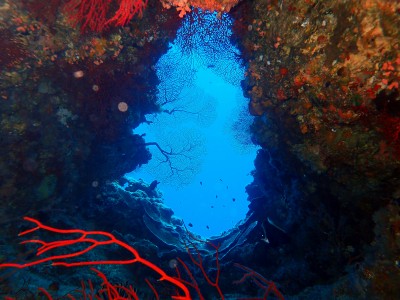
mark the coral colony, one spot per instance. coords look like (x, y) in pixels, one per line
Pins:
(90, 240)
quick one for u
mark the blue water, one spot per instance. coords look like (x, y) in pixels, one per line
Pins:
(204, 178)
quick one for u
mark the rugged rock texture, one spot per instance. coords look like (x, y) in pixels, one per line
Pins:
(323, 85)
(70, 101)
(323, 81)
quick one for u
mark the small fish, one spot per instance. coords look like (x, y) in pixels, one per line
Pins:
(190, 225)
(212, 206)
(201, 182)
(153, 185)
(207, 227)
(216, 196)
(233, 199)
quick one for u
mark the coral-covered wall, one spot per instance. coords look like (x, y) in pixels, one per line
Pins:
(323, 84)
(70, 101)
(322, 81)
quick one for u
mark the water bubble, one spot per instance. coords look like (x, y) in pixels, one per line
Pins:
(122, 106)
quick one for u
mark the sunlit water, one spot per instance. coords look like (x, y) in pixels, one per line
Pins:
(204, 178)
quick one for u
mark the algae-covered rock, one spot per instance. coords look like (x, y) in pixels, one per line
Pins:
(47, 187)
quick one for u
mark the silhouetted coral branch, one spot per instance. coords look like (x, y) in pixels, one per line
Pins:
(266, 285)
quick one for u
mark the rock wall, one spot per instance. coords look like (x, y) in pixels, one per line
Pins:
(323, 80)
(70, 101)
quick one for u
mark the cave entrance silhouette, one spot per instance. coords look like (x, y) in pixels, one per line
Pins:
(205, 154)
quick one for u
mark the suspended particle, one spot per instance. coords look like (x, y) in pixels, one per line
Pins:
(79, 74)
(95, 87)
(173, 263)
(122, 106)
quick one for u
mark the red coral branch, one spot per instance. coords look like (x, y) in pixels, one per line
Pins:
(46, 293)
(104, 238)
(153, 289)
(94, 14)
(193, 283)
(267, 285)
(127, 10)
(89, 240)
(198, 262)
(90, 14)
(112, 292)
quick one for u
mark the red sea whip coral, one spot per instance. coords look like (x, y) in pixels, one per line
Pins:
(89, 240)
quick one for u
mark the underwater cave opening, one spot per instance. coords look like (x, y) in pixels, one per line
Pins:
(202, 154)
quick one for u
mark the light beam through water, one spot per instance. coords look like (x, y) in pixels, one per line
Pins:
(203, 113)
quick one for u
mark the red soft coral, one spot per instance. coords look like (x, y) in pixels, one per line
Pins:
(94, 14)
